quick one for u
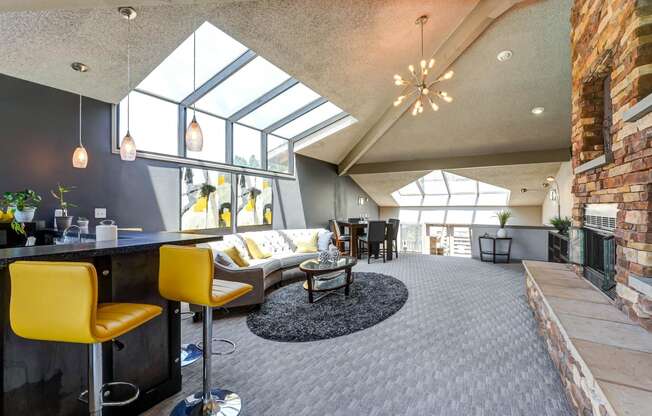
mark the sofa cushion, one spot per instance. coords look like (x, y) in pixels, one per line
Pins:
(235, 256)
(255, 251)
(308, 245)
(268, 265)
(324, 240)
(294, 259)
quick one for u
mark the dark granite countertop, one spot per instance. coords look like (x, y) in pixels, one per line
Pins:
(126, 243)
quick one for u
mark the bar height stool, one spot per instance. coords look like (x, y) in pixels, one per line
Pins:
(186, 275)
(57, 301)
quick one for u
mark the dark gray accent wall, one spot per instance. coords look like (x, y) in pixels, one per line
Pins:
(326, 195)
(39, 133)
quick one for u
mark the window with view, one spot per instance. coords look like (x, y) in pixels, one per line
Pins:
(250, 111)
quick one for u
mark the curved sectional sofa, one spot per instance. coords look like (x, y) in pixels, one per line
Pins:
(282, 266)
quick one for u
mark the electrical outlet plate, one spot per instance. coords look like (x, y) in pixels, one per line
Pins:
(100, 212)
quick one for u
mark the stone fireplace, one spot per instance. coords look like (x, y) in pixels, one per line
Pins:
(612, 151)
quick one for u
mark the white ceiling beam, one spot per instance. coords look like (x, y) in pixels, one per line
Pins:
(482, 15)
(498, 159)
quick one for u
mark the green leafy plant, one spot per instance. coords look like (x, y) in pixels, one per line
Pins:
(205, 192)
(503, 216)
(561, 224)
(59, 195)
(21, 200)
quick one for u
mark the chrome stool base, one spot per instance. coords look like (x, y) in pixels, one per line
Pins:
(222, 403)
(190, 353)
(226, 341)
(110, 389)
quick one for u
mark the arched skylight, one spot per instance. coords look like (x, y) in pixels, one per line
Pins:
(440, 189)
(252, 110)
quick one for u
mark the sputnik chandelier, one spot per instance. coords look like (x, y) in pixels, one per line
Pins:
(419, 83)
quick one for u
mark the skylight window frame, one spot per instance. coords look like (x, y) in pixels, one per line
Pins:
(188, 103)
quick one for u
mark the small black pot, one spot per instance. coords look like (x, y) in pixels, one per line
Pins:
(63, 222)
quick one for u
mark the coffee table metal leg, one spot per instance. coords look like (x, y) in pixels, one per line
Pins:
(310, 296)
(348, 282)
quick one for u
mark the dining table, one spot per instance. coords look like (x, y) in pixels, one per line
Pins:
(356, 229)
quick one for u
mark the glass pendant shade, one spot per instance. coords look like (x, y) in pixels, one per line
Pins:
(194, 136)
(80, 158)
(128, 148)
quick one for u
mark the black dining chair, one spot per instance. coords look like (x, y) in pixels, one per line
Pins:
(393, 238)
(340, 240)
(375, 236)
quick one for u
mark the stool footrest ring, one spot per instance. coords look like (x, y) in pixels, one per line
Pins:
(226, 341)
(106, 392)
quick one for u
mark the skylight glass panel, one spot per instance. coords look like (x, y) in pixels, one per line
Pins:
(153, 123)
(308, 120)
(460, 185)
(433, 216)
(246, 85)
(410, 189)
(280, 106)
(435, 200)
(485, 217)
(246, 146)
(462, 199)
(409, 216)
(172, 79)
(433, 183)
(214, 131)
(459, 217)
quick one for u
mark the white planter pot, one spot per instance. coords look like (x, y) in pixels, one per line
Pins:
(502, 233)
(26, 215)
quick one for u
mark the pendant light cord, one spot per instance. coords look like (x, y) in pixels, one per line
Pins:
(194, 66)
(80, 121)
(128, 73)
(421, 23)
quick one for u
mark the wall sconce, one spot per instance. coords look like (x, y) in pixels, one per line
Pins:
(362, 200)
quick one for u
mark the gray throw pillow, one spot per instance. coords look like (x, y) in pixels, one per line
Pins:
(224, 260)
(324, 240)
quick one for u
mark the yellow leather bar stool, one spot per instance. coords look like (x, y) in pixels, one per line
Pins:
(57, 301)
(186, 275)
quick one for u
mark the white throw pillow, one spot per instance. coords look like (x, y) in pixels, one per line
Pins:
(324, 240)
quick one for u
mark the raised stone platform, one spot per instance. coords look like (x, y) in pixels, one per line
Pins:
(604, 358)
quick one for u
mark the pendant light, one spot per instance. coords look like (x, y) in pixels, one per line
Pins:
(194, 135)
(80, 157)
(128, 145)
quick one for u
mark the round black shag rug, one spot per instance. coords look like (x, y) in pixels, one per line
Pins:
(287, 316)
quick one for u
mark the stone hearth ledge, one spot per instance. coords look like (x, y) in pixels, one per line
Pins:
(604, 359)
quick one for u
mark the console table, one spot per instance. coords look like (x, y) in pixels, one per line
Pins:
(493, 253)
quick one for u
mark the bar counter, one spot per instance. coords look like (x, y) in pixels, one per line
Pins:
(46, 378)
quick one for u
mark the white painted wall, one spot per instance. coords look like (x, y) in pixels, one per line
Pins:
(564, 178)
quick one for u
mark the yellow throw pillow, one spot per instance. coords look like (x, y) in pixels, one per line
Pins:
(255, 251)
(236, 257)
(308, 246)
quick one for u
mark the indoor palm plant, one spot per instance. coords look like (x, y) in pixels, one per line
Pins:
(561, 224)
(64, 220)
(503, 217)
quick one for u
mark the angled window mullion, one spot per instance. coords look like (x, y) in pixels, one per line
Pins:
(220, 77)
(303, 110)
(181, 128)
(229, 142)
(268, 96)
(290, 157)
(323, 124)
(263, 150)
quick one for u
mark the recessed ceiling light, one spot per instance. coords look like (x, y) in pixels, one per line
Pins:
(537, 110)
(505, 55)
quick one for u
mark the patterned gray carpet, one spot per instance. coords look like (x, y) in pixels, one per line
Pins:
(465, 343)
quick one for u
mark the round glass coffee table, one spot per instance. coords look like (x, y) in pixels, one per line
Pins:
(314, 284)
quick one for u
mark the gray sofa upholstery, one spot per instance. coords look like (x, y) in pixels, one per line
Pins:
(262, 274)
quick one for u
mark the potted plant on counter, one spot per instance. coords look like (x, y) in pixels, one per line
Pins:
(503, 217)
(64, 221)
(561, 224)
(22, 204)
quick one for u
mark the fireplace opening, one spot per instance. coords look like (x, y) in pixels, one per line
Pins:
(594, 246)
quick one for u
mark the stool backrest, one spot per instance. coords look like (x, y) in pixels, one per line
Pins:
(53, 301)
(376, 232)
(186, 274)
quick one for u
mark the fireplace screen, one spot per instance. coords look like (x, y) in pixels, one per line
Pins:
(596, 251)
